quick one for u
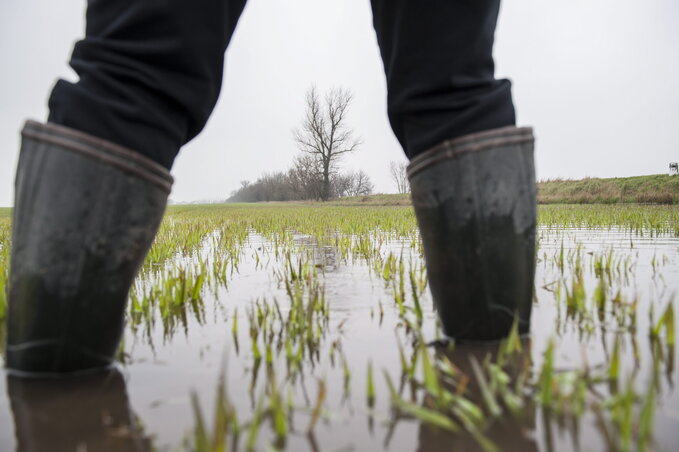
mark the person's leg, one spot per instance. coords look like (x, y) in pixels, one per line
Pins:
(471, 170)
(92, 183)
(438, 59)
(149, 72)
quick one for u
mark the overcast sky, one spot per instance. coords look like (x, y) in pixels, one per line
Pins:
(598, 79)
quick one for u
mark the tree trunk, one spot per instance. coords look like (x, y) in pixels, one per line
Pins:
(326, 182)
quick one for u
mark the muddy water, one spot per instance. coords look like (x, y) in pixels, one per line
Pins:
(146, 403)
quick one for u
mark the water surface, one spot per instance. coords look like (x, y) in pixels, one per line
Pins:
(146, 402)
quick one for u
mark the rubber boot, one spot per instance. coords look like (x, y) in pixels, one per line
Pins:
(474, 198)
(85, 214)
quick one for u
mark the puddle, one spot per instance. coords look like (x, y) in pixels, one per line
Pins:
(356, 325)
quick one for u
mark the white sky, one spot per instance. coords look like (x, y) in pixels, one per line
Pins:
(598, 79)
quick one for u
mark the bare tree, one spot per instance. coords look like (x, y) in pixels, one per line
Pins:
(353, 183)
(306, 177)
(399, 174)
(362, 184)
(304, 180)
(341, 184)
(324, 133)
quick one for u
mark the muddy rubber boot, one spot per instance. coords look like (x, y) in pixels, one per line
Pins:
(85, 214)
(474, 198)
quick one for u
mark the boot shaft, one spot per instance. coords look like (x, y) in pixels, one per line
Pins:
(474, 199)
(85, 214)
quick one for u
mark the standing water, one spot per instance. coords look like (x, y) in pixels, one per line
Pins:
(312, 328)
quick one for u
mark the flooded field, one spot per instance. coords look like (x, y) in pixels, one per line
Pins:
(311, 328)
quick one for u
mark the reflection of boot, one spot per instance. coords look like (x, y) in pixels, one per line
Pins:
(85, 214)
(508, 432)
(81, 413)
(474, 198)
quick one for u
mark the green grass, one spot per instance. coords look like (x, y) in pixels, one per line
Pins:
(641, 219)
(658, 189)
(654, 189)
(5, 231)
(375, 200)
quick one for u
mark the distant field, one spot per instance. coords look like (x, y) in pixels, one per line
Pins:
(654, 189)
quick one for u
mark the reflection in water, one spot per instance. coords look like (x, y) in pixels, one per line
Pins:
(508, 432)
(89, 413)
(322, 256)
(326, 257)
(3, 336)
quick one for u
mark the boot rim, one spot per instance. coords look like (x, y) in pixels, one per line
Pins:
(451, 149)
(99, 149)
(12, 372)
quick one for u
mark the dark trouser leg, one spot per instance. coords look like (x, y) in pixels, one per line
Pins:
(471, 171)
(150, 72)
(86, 208)
(439, 65)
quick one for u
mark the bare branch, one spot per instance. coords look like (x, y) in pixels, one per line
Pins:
(323, 133)
(399, 175)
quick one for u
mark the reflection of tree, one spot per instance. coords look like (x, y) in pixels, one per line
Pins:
(89, 413)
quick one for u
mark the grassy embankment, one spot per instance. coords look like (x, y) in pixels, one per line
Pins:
(655, 189)
(658, 189)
